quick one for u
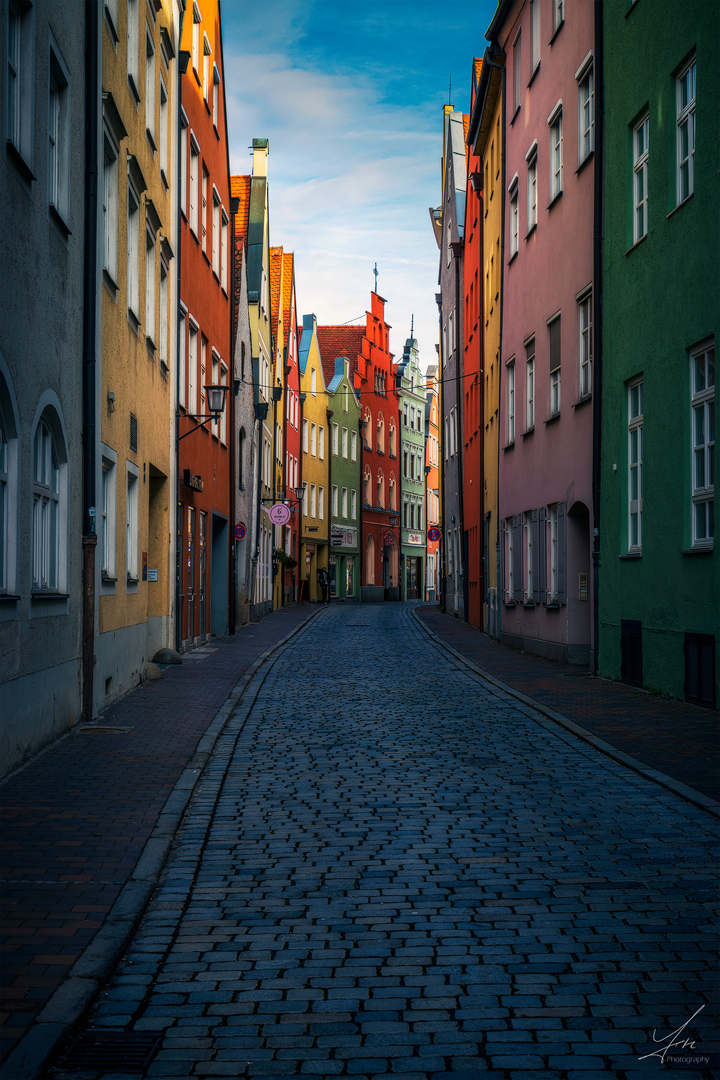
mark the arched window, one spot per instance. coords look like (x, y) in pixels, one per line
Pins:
(48, 509)
(380, 489)
(367, 495)
(370, 560)
(393, 505)
(391, 447)
(381, 434)
(242, 450)
(8, 483)
(367, 430)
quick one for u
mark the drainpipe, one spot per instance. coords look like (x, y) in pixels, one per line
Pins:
(597, 324)
(89, 370)
(498, 587)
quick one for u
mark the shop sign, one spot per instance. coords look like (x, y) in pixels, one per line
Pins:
(415, 538)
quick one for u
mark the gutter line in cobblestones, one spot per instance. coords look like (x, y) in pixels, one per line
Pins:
(91, 970)
(703, 802)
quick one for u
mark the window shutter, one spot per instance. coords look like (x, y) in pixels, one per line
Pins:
(503, 568)
(535, 559)
(517, 559)
(561, 541)
(542, 555)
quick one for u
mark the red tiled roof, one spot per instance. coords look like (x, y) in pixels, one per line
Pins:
(240, 189)
(466, 128)
(276, 266)
(337, 341)
(478, 68)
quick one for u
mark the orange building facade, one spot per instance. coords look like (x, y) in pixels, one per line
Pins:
(204, 354)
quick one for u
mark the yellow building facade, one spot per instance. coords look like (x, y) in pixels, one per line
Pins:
(315, 464)
(136, 481)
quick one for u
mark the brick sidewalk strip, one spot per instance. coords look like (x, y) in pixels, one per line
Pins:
(75, 819)
(670, 736)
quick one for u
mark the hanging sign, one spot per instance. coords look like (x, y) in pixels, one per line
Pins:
(388, 539)
(433, 534)
(239, 531)
(279, 514)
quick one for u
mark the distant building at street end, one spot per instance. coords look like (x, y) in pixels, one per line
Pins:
(411, 391)
(344, 482)
(433, 456)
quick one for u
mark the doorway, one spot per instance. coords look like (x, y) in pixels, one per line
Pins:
(219, 576)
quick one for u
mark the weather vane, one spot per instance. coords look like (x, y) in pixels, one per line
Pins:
(375, 272)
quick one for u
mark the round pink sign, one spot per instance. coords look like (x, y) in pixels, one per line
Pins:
(279, 514)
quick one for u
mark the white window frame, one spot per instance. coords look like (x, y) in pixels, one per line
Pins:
(344, 502)
(334, 500)
(150, 275)
(164, 134)
(534, 36)
(702, 425)
(195, 165)
(133, 47)
(685, 101)
(133, 252)
(585, 79)
(49, 514)
(182, 356)
(528, 584)
(510, 401)
(132, 534)
(335, 439)
(163, 345)
(194, 334)
(585, 346)
(305, 435)
(58, 134)
(224, 222)
(207, 53)
(197, 19)
(531, 158)
(530, 387)
(108, 512)
(555, 124)
(558, 8)
(514, 191)
(313, 500)
(345, 442)
(216, 233)
(184, 163)
(635, 391)
(353, 446)
(313, 381)
(556, 372)
(110, 205)
(353, 504)
(216, 96)
(641, 156)
(150, 89)
(20, 80)
(517, 73)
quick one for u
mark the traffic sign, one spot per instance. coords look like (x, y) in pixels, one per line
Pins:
(239, 531)
(433, 534)
(279, 514)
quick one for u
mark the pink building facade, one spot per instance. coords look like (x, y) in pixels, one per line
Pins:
(546, 393)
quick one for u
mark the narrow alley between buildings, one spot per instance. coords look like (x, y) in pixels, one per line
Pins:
(392, 865)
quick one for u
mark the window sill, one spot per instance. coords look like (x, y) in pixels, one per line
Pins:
(552, 606)
(582, 401)
(111, 28)
(528, 431)
(509, 603)
(555, 198)
(19, 162)
(556, 31)
(151, 140)
(133, 320)
(512, 257)
(58, 220)
(552, 419)
(164, 179)
(509, 446)
(534, 73)
(164, 368)
(636, 244)
(631, 555)
(698, 551)
(39, 595)
(110, 284)
(530, 231)
(150, 345)
(380, 452)
(133, 90)
(529, 604)
(588, 157)
(132, 580)
(681, 204)
(631, 8)
(512, 121)
(394, 456)
(8, 598)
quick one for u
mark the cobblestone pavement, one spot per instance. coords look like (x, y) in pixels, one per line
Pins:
(678, 739)
(390, 866)
(75, 819)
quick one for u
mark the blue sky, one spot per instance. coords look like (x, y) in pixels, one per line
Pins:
(350, 95)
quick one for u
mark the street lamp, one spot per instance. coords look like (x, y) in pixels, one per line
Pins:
(215, 397)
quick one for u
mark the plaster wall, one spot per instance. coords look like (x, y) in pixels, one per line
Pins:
(315, 469)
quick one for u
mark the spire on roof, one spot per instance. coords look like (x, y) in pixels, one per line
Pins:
(375, 272)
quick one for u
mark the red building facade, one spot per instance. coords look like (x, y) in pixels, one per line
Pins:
(473, 381)
(204, 543)
(377, 445)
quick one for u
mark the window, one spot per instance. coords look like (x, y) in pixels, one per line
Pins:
(353, 446)
(5, 494)
(305, 499)
(367, 497)
(700, 669)
(194, 180)
(133, 47)
(111, 17)
(110, 206)
(20, 74)
(686, 132)
(334, 500)
(353, 504)
(511, 402)
(702, 367)
(405, 414)
(535, 28)
(131, 528)
(380, 435)
(313, 500)
(58, 136)
(380, 490)
(528, 538)
(345, 442)
(192, 369)
(510, 560)
(554, 553)
(216, 95)
(305, 427)
(514, 216)
(530, 385)
(586, 115)
(223, 414)
(183, 162)
(133, 255)
(204, 211)
(392, 493)
(556, 152)
(150, 286)
(207, 53)
(517, 75)
(224, 249)
(635, 464)
(554, 331)
(196, 38)
(164, 159)
(335, 439)
(585, 345)
(164, 311)
(344, 502)
(313, 439)
(150, 90)
(107, 519)
(46, 510)
(216, 234)
(532, 189)
(242, 459)
(321, 443)
(641, 143)
(313, 382)
(558, 7)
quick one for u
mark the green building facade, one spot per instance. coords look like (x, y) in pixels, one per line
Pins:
(659, 594)
(411, 385)
(344, 481)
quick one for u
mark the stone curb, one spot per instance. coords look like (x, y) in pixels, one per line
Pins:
(703, 802)
(66, 1007)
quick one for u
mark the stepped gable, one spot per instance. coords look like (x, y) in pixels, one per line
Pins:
(335, 341)
(240, 189)
(288, 271)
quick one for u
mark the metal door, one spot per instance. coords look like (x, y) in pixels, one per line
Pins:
(191, 571)
(203, 570)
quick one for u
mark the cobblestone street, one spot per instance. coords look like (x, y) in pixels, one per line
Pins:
(420, 878)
